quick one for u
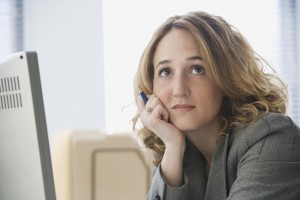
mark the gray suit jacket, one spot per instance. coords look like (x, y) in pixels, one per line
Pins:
(261, 162)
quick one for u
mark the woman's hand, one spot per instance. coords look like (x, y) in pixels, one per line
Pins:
(155, 117)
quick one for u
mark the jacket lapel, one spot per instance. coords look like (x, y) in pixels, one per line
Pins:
(216, 185)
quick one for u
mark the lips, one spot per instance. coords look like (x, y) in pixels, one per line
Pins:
(183, 107)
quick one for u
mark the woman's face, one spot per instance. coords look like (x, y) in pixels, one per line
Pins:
(181, 83)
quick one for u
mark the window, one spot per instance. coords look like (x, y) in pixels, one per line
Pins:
(290, 53)
(11, 23)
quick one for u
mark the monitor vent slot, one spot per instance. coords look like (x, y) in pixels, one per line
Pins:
(10, 93)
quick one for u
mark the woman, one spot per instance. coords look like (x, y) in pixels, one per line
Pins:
(214, 119)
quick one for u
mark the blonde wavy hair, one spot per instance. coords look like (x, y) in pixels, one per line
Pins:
(230, 62)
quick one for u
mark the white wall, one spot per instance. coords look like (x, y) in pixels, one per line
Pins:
(67, 35)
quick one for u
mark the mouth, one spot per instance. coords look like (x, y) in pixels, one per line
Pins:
(183, 107)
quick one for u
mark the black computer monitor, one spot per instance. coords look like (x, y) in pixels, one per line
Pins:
(25, 162)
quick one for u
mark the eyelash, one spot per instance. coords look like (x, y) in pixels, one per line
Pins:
(167, 69)
(164, 69)
(199, 67)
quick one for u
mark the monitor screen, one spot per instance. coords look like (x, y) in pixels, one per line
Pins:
(25, 162)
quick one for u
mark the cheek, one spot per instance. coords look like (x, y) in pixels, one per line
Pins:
(216, 99)
(211, 96)
(158, 91)
(217, 94)
(161, 91)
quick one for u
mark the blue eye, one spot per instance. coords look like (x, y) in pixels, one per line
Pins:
(164, 72)
(198, 69)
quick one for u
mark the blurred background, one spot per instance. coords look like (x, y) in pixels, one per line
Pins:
(89, 50)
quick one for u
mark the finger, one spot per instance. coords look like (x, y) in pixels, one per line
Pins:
(152, 103)
(158, 123)
(163, 112)
(157, 115)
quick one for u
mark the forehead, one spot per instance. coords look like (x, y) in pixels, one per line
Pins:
(178, 37)
(177, 40)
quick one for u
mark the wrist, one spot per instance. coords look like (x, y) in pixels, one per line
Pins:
(176, 146)
(171, 164)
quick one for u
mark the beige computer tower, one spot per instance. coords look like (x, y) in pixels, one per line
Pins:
(89, 165)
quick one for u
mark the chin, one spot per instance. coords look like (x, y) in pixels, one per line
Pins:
(185, 126)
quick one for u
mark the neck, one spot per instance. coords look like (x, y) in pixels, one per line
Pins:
(205, 141)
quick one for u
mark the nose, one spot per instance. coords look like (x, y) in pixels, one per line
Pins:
(181, 86)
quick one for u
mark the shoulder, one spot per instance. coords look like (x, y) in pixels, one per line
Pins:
(273, 131)
(269, 123)
(262, 157)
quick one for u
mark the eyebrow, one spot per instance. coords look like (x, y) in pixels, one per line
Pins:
(188, 59)
(195, 58)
